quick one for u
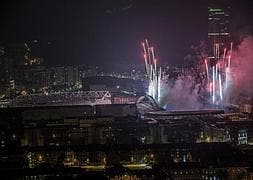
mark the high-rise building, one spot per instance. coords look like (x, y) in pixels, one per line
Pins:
(59, 78)
(72, 75)
(43, 79)
(219, 23)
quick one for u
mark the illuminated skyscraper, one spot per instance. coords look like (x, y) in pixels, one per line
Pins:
(219, 23)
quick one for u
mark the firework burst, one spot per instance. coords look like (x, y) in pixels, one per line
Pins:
(153, 73)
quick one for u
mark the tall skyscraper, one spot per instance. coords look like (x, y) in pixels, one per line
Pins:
(219, 24)
(72, 75)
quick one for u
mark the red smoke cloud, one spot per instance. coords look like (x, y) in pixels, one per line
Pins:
(242, 69)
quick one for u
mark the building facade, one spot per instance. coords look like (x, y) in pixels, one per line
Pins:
(219, 31)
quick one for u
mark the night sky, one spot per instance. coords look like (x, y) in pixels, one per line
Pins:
(109, 32)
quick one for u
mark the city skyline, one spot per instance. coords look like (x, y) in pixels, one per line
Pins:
(126, 89)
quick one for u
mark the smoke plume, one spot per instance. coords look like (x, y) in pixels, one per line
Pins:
(188, 91)
(183, 93)
(242, 70)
